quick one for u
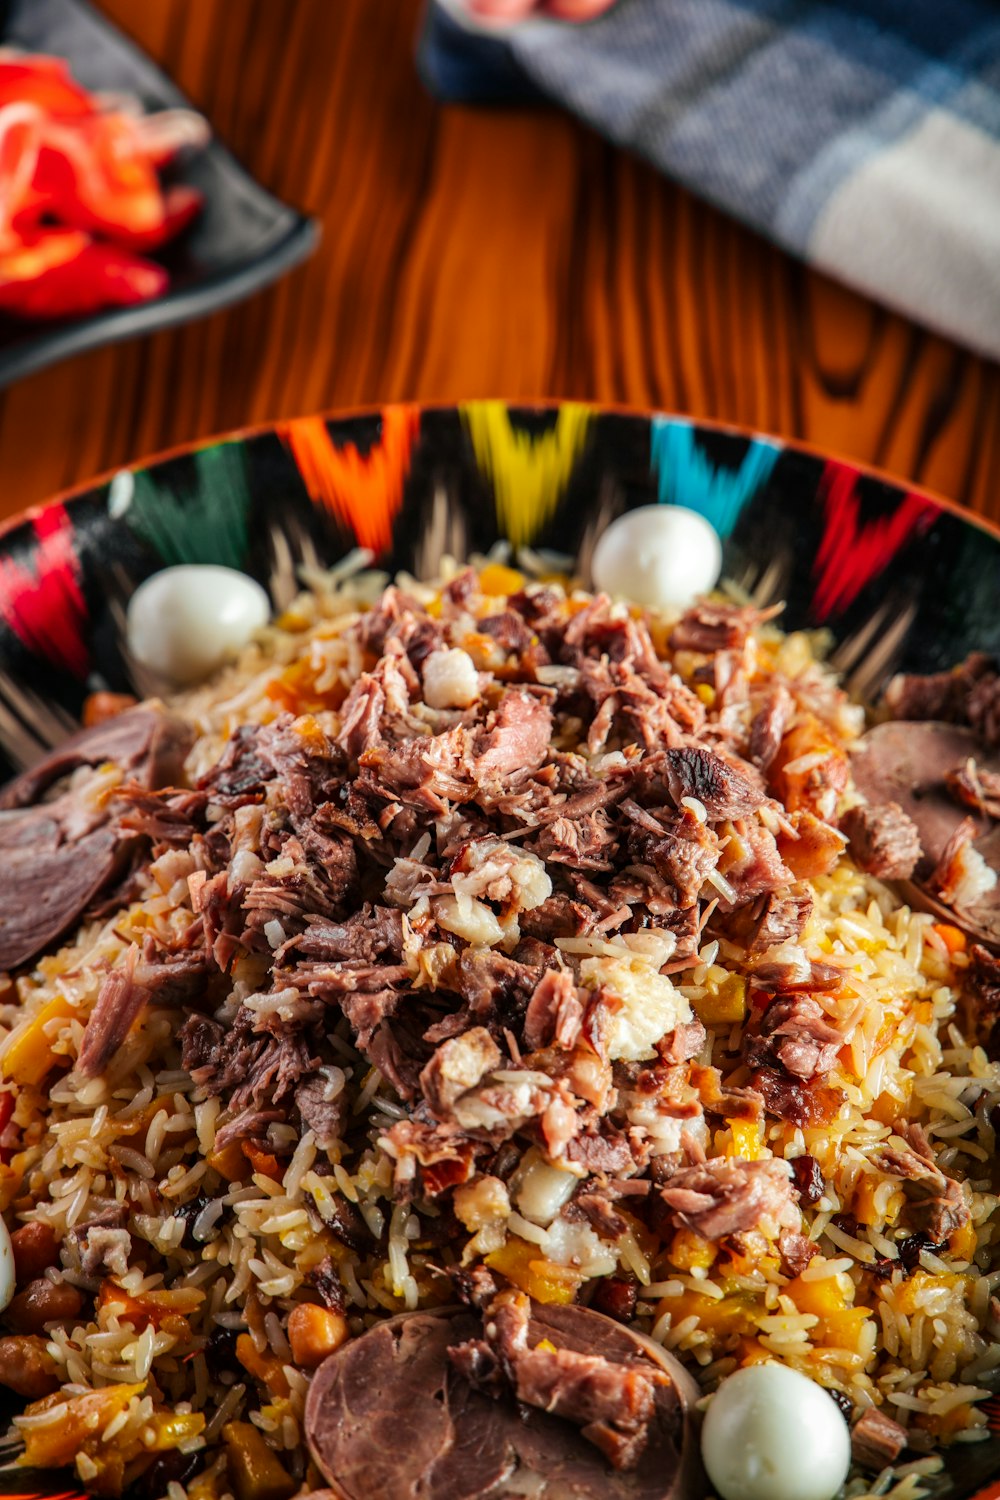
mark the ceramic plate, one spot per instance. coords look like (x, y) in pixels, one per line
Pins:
(898, 578)
(243, 238)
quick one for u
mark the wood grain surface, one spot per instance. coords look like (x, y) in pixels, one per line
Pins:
(483, 253)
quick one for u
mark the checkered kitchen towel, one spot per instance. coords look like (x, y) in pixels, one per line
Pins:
(862, 135)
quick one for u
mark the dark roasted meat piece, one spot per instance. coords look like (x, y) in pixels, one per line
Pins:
(883, 840)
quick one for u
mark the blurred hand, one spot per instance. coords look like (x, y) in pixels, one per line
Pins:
(518, 10)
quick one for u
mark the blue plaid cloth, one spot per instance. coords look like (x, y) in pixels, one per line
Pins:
(864, 137)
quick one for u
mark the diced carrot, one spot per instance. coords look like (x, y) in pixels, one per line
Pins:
(724, 1003)
(315, 1332)
(842, 1330)
(690, 1250)
(266, 1368)
(719, 1316)
(27, 1055)
(953, 937)
(230, 1162)
(152, 1309)
(750, 1352)
(962, 1241)
(98, 708)
(51, 1445)
(824, 1297)
(254, 1469)
(747, 1139)
(262, 1161)
(540, 1278)
(497, 579)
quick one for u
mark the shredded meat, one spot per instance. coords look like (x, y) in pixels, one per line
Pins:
(975, 787)
(708, 626)
(796, 1034)
(167, 978)
(612, 1403)
(682, 850)
(457, 1066)
(554, 1013)
(767, 728)
(721, 1197)
(782, 918)
(938, 1204)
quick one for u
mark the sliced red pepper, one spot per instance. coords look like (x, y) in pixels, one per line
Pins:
(181, 205)
(64, 273)
(45, 81)
(20, 140)
(90, 174)
(76, 173)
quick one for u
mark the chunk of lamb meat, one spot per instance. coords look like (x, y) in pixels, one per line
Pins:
(61, 855)
(797, 1034)
(937, 1202)
(796, 1251)
(517, 738)
(586, 843)
(961, 877)
(149, 975)
(323, 1104)
(457, 1066)
(558, 916)
(709, 626)
(768, 725)
(781, 920)
(56, 870)
(722, 1197)
(883, 840)
(909, 765)
(944, 696)
(555, 1012)
(496, 990)
(724, 793)
(683, 850)
(611, 1403)
(251, 1067)
(392, 1414)
(147, 743)
(877, 1440)
(983, 980)
(509, 629)
(373, 933)
(753, 865)
(975, 787)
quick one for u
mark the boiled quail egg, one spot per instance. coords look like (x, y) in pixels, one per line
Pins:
(6, 1266)
(773, 1434)
(661, 556)
(185, 622)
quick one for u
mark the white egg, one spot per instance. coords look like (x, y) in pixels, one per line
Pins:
(6, 1266)
(773, 1434)
(659, 556)
(184, 622)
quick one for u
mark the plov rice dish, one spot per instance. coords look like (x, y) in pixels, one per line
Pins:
(491, 943)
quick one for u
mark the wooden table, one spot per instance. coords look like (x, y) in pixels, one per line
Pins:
(483, 253)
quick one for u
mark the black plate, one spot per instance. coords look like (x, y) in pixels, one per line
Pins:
(242, 239)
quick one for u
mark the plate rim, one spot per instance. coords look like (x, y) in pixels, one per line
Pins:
(539, 404)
